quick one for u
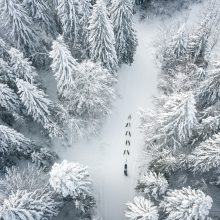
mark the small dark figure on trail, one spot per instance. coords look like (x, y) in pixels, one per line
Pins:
(126, 170)
(127, 143)
(126, 152)
(129, 117)
(128, 133)
(128, 125)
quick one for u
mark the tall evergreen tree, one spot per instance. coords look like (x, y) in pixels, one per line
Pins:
(101, 38)
(19, 26)
(142, 209)
(12, 141)
(85, 14)
(68, 13)
(206, 155)
(186, 203)
(21, 66)
(125, 36)
(36, 102)
(64, 66)
(41, 13)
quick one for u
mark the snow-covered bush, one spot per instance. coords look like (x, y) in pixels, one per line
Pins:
(141, 209)
(101, 38)
(25, 194)
(152, 184)
(125, 37)
(206, 156)
(72, 181)
(186, 203)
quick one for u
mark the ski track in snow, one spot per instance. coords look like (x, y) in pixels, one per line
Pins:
(104, 154)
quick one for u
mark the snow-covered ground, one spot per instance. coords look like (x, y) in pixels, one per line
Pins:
(104, 154)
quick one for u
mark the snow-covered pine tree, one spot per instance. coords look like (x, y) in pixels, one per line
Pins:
(41, 13)
(21, 66)
(35, 101)
(198, 42)
(165, 164)
(43, 157)
(171, 124)
(93, 93)
(9, 100)
(70, 179)
(85, 14)
(68, 13)
(208, 93)
(186, 203)
(152, 184)
(125, 35)
(141, 209)
(18, 25)
(25, 194)
(7, 76)
(206, 155)
(64, 66)
(177, 119)
(101, 38)
(174, 52)
(12, 141)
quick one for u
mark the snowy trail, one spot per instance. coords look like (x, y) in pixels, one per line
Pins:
(104, 154)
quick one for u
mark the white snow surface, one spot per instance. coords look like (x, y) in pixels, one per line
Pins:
(104, 154)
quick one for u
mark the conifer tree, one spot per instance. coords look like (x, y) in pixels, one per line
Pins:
(186, 203)
(85, 14)
(41, 13)
(206, 155)
(8, 99)
(21, 66)
(142, 209)
(70, 179)
(93, 92)
(125, 36)
(172, 124)
(12, 141)
(68, 13)
(101, 38)
(64, 66)
(19, 26)
(198, 42)
(35, 100)
(7, 75)
(152, 184)
(208, 93)
(25, 194)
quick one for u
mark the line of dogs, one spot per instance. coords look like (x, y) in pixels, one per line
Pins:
(127, 144)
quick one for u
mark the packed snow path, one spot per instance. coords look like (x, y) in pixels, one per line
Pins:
(104, 154)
